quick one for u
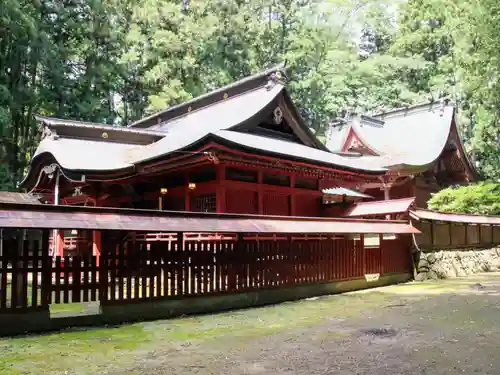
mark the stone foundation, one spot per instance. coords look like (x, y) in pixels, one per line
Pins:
(453, 263)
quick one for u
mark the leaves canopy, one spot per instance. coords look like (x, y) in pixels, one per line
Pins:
(116, 61)
(482, 198)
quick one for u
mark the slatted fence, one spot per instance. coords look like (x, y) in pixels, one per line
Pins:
(176, 266)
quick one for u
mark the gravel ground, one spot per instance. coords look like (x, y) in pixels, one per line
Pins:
(444, 327)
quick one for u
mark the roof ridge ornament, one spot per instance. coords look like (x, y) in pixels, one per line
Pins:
(277, 115)
(46, 131)
(274, 78)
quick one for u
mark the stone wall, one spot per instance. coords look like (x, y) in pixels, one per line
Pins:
(453, 263)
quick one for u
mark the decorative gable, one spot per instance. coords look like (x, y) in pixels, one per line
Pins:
(353, 143)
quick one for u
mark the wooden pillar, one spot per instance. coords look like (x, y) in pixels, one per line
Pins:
(363, 252)
(382, 260)
(187, 192)
(59, 244)
(221, 189)
(187, 200)
(293, 211)
(96, 245)
(21, 275)
(387, 197)
(260, 193)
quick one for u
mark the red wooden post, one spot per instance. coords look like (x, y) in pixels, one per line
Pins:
(363, 252)
(260, 193)
(221, 189)
(382, 260)
(293, 210)
(187, 200)
(96, 246)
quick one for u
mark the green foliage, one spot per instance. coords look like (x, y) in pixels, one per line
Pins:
(482, 198)
(115, 61)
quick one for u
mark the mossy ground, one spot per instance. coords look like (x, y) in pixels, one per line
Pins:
(443, 327)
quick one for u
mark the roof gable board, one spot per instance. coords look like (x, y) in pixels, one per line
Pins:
(211, 98)
(56, 127)
(354, 142)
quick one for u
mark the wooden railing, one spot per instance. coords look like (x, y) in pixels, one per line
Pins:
(154, 268)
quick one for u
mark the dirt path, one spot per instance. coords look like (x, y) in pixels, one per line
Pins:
(448, 327)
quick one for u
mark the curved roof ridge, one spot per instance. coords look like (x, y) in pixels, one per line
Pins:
(401, 111)
(258, 78)
(58, 122)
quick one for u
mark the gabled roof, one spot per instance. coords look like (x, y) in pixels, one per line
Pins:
(215, 117)
(210, 98)
(411, 137)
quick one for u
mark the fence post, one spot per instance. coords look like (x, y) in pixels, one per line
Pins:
(363, 252)
(103, 270)
(46, 282)
(20, 274)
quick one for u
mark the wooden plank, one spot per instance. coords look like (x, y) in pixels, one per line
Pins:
(57, 279)
(67, 272)
(150, 266)
(185, 268)
(23, 276)
(143, 274)
(85, 287)
(113, 269)
(93, 271)
(178, 266)
(129, 266)
(76, 273)
(3, 278)
(133, 254)
(46, 272)
(103, 271)
(158, 260)
(123, 271)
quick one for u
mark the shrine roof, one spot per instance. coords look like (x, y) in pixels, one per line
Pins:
(295, 150)
(224, 116)
(413, 137)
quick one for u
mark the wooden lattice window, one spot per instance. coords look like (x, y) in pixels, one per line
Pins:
(204, 203)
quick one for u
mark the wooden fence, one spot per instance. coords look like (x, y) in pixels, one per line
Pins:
(139, 270)
(450, 235)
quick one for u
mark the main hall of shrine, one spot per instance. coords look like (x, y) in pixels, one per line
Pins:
(244, 148)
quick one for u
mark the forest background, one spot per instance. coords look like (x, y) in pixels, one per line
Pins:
(115, 61)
